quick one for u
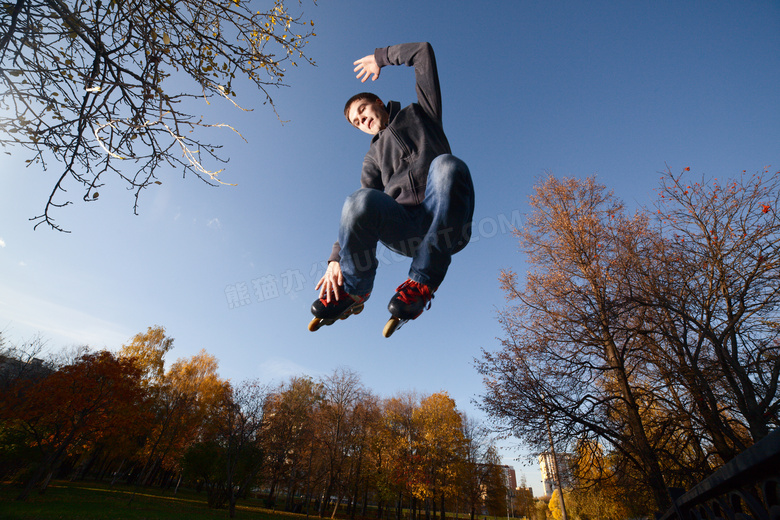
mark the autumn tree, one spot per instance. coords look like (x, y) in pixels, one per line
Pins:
(180, 398)
(495, 484)
(288, 436)
(440, 449)
(400, 437)
(22, 361)
(107, 90)
(148, 350)
(188, 392)
(70, 408)
(361, 478)
(229, 454)
(711, 278)
(380, 459)
(475, 467)
(572, 354)
(523, 503)
(20, 364)
(342, 392)
(654, 335)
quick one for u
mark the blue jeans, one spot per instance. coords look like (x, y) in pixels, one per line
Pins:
(429, 233)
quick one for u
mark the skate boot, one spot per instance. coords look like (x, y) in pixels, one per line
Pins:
(410, 299)
(328, 313)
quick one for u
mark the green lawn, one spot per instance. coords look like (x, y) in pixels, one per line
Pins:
(95, 501)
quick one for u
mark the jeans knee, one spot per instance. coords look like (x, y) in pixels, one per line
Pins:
(449, 177)
(359, 205)
(447, 170)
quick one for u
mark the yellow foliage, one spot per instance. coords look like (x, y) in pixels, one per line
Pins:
(555, 505)
(149, 351)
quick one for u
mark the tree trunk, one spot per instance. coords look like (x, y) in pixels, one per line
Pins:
(270, 500)
(46, 467)
(117, 473)
(325, 497)
(339, 498)
(641, 444)
(364, 509)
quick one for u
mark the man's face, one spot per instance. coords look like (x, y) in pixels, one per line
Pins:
(367, 116)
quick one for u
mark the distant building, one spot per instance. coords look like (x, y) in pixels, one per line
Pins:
(548, 465)
(528, 493)
(523, 502)
(13, 369)
(510, 478)
(507, 475)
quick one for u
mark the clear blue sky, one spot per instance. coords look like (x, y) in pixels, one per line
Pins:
(616, 89)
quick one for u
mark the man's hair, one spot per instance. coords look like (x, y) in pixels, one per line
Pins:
(372, 98)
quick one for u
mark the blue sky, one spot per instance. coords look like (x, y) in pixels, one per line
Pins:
(615, 89)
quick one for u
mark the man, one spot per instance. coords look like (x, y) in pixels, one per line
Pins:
(416, 197)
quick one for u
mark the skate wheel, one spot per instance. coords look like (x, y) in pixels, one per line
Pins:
(315, 324)
(391, 326)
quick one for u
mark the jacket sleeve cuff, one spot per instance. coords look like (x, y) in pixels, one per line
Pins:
(335, 255)
(380, 55)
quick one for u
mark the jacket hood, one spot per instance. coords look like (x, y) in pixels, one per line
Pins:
(392, 107)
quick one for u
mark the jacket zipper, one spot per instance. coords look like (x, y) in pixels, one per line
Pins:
(407, 155)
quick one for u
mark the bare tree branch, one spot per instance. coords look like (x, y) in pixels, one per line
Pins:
(89, 85)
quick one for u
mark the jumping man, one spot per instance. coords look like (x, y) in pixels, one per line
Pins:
(416, 197)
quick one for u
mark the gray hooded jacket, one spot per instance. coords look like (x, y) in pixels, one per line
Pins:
(399, 157)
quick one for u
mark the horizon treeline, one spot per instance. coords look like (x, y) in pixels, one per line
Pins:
(309, 445)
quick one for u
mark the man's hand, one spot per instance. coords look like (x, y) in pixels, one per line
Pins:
(366, 67)
(329, 284)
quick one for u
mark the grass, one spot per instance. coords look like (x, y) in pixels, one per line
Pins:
(96, 501)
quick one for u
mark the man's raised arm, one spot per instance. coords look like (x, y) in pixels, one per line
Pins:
(417, 55)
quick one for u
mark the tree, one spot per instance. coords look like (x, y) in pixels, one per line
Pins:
(495, 483)
(106, 88)
(93, 397)
(20, 365)
(478, 467)
(400, 439)
(440, 449)
(555, 504)
(148, 350)
(655, 338)
(524, 500)
(342, 392)
(229, 455)
(541, 509)
(18, 362)
(289, 434)
(573, 352)
(366, 420)
(180, 398)
(714, 284)
(186, 394)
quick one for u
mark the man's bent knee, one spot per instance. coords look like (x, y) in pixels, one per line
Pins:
(360, 204)
(447, 169)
